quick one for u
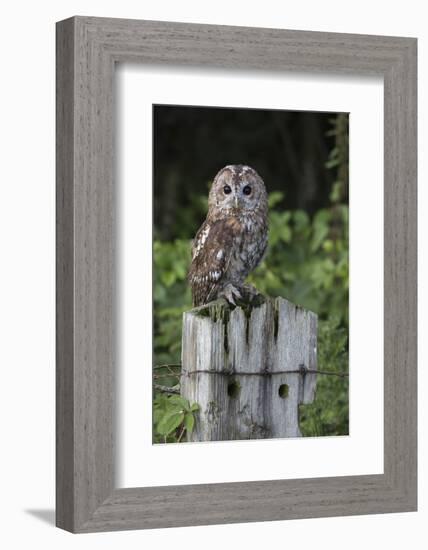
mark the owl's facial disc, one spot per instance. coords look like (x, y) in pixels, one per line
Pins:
(237, 189)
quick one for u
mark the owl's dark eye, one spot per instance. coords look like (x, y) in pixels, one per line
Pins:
(247, 190)
(227, 189)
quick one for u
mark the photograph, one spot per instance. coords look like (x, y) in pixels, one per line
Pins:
(250, 273)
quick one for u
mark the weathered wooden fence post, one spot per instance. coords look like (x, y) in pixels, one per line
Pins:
(248, 369)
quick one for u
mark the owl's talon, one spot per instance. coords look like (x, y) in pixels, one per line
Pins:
(231, 293)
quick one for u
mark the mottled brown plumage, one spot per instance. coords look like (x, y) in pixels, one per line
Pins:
(233, 239)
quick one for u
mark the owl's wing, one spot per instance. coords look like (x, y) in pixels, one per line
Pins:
(211, 253)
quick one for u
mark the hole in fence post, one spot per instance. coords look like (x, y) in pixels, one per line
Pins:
(233, 389)
(283, 391)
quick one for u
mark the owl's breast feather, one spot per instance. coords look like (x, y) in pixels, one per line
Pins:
(249, 247)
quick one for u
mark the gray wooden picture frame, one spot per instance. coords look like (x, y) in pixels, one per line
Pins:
(87, 50)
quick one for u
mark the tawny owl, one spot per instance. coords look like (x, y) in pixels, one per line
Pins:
(233, 239)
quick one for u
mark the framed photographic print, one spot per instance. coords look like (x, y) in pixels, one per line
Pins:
(236, 274)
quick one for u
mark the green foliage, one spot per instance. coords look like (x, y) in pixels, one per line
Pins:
(328, 414)
(173, 417)
(307, 262)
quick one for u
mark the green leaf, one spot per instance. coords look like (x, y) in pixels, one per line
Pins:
(286, 233)
(194, 407)
(328, 245)
(332, 163)
(320, 233)
(336, 191)
(179, 401)
(189, 422)
(320, 229)
(275, 198)
(168, 278)
(159, 293)
(301, 220)
(158, 413)
(169, 423)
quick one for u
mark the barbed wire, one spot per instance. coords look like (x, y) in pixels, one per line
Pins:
(302, 370)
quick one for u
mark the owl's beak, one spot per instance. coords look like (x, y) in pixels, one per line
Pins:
(236, 201)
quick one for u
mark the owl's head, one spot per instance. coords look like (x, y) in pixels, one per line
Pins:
(237, 189)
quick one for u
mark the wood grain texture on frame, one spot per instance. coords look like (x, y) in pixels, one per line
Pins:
(87, 50)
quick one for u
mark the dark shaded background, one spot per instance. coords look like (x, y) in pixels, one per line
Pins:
(289, 149)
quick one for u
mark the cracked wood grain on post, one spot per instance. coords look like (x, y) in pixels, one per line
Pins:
(222, 347)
